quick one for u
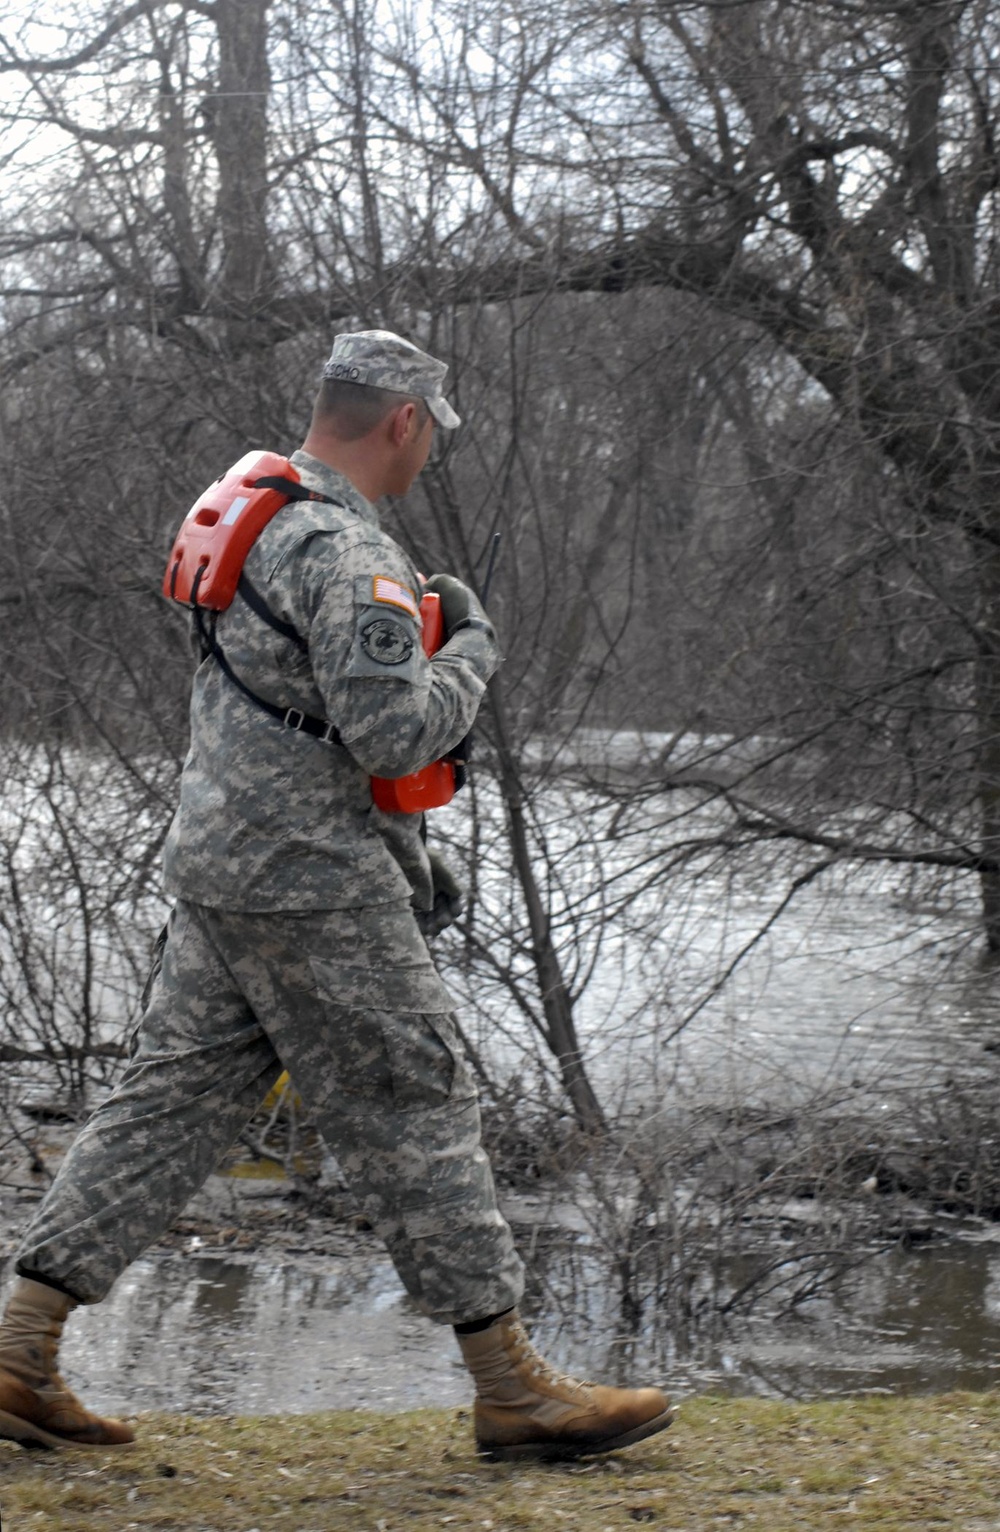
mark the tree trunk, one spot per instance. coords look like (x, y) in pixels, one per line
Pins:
(988, 723)
(557, 1005)
(239, 128)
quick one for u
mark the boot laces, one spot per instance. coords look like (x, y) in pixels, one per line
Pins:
(525, 1352)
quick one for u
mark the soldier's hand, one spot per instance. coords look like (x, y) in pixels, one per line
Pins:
(460, 606)
(448, 898)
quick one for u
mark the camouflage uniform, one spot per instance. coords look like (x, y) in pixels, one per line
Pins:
(274, 820)
(293, 940)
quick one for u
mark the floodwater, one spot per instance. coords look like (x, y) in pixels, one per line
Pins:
(206, 1335)
(866, 992)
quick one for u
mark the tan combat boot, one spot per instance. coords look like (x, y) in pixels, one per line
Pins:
(525, 1409)
(36, 1407)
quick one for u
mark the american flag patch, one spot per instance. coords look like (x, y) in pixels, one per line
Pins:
(393, 594)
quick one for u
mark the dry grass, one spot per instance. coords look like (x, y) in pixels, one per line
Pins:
(874, 1462)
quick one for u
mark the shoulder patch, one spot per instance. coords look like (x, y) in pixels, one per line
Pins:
(386, 642)
(390, 592)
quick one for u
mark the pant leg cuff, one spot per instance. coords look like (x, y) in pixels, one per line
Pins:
(46, 1281)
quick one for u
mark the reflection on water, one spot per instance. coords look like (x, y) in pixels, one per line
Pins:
(920, 1321)
(208, 1335)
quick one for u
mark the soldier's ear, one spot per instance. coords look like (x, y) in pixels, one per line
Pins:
(403, 423)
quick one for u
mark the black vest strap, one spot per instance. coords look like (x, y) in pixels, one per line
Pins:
(292, 717)
(291, 488)
(253, 598)
(289, 717)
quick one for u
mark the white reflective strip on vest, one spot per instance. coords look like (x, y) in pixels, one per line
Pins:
(235, 509)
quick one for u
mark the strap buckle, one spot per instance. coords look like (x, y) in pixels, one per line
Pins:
(317, 728)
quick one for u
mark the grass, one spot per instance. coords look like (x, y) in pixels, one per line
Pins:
(872, 1462)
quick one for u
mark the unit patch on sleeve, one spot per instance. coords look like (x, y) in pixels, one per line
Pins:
(386, 641)
(392, 593)
(386, 644)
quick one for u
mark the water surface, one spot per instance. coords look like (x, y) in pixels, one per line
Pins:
(207, 1335)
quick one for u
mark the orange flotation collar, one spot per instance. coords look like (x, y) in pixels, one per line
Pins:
(205, 571)
(219, 530)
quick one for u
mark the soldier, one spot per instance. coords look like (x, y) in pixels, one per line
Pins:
(294, 942)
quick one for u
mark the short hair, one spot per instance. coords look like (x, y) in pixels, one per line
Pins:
(351, 410)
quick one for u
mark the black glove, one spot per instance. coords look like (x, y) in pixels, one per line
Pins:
(448, 899)
(460, 606)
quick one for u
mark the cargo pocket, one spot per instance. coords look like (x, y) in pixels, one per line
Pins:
(462, 1253)
(391, 1037)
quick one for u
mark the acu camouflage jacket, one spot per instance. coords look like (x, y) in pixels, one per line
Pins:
(271, 819)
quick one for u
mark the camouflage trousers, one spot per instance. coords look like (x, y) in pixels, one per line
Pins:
(350, 1003)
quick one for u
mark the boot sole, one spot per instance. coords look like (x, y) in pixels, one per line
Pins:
(555, 1451)
(14, 1429)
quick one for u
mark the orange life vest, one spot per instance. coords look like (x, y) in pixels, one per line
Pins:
(222, 526)
(434, 785)
(205, 571)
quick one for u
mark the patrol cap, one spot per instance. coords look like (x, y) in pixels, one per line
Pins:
(384, 360)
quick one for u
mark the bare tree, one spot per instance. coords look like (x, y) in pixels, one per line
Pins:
(828, 175)
(721, 334)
